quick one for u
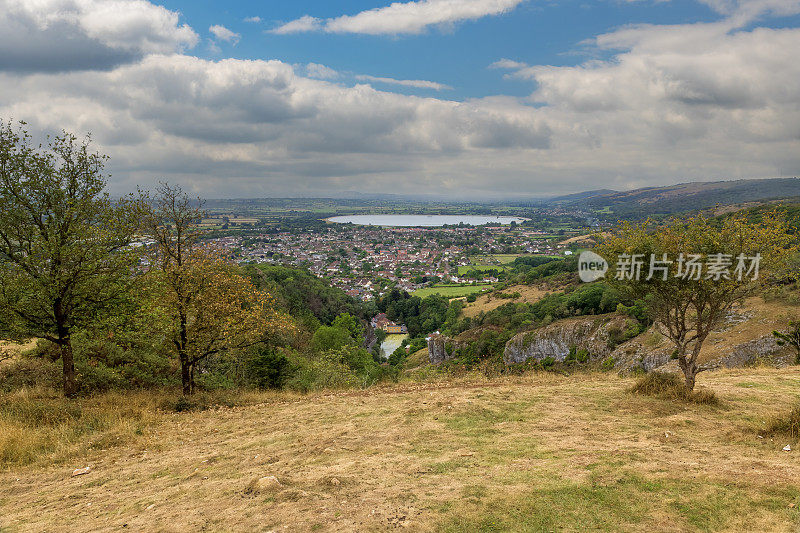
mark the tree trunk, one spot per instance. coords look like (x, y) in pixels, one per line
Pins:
(70, 383)
(186, 380)
(690, 371)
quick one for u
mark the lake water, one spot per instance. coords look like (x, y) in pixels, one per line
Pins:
(423, 220)
(390, 344)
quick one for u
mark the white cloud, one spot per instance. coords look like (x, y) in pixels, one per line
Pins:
(221, 33)
(508, 64)
(255, 19)
(672, 103)
(60, 35)
(403, 17)
(234, 126)
(420, 84)
(320, 72)
(303, 24)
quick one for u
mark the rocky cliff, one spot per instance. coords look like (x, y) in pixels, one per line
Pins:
(441, 348)
(595, 334)
(651, 351)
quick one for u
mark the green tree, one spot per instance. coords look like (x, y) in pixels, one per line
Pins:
(792, 338)
(350, 323)
(685, 309)
(199, 301)
(328, 338)
(65, 246)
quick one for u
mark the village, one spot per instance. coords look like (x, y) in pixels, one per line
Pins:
(365, 261)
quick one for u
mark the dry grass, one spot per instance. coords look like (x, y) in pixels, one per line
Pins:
(530, 453)
(670, 386)
(40, 426)
(487, 302)
(11, 350)
(786, 424)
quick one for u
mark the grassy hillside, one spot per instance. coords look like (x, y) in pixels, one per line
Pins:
(487, 302)
(540, 452)
(686, 197)
(452, 291)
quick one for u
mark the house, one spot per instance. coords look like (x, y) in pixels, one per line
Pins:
(380, 321)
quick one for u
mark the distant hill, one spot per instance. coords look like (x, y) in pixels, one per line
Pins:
(685, 197)
(582, 195)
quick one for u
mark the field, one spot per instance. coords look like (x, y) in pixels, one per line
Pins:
(494, 262)
(452, 291)
(541, 452)
(487, 302)
(463, 269)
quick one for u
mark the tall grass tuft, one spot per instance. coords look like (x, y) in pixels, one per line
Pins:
(787, 424)
(670, 386)
(39, 423)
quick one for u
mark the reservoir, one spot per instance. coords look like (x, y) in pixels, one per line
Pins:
(423, 220)
(390, 344)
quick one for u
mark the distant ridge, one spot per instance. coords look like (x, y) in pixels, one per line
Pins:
(691, 196)
(582, 195)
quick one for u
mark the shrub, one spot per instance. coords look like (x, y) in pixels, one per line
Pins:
(397, 356)
(323, 372)
(547, 362)
(269, 370)
(330, 338)
(670, 386)
(30, 372)
(786, 425)
(577, 355)
(608, 364)
(472, 297)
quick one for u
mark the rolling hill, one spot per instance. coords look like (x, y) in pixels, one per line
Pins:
(684, 197)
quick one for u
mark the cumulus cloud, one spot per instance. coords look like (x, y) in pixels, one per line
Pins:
(671, 103)
(221, 33)
(419, 84)
(259, 121)
(62, 35)
(254, 20)
(402, 17)
(320, 72)
(303, 24)
(508, 64)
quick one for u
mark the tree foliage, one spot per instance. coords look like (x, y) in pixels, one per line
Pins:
(65, 245)
(687, 309)
(202, 305)
(790, 338)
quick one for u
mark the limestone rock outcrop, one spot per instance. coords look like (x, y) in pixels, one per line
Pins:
(594, 334)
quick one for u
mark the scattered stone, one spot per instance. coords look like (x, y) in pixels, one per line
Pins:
(335, 482)
(787, 448)
(264, 484)
(81, 471)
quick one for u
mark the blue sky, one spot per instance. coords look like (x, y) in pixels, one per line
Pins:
(549, 33)
(464, 99)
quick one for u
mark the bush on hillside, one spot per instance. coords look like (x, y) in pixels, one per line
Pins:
(669, 386)
(269, 369)
(787, 425)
